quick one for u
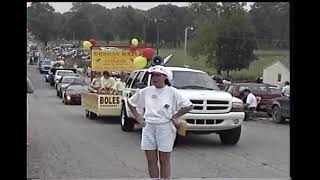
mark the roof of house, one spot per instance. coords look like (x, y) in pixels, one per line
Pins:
(284, 62)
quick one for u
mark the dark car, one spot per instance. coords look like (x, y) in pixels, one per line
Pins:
(264, 91)
(72, 94)
(279, 108)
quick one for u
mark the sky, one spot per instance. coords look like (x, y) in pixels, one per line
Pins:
(63, 7)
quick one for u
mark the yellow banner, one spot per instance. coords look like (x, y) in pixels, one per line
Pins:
(109, 101)
(113, 60)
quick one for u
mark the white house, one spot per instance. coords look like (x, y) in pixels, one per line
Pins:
(278, 71)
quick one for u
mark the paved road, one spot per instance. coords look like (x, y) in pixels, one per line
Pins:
(64, 145)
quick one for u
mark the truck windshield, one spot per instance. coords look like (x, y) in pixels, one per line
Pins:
(193, 80)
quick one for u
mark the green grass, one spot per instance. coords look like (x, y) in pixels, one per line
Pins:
(265, 57)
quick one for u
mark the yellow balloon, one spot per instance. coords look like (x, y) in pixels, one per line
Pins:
(134, 42)
(87, 44)
(140, 62)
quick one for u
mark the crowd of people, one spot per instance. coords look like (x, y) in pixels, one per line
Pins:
(67, 51)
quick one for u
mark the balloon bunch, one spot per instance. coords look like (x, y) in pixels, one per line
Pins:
(89, 44)
(142, 60)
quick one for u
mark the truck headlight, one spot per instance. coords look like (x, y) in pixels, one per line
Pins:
(237, 107)
(68, 97)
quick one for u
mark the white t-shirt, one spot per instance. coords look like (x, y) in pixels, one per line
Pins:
(252, 100)
(286, 90)
(160, 103)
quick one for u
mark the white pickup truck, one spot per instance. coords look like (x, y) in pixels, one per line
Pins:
(214, 111)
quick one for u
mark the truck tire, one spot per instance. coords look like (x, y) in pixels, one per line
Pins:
(231, 136)
(276, 115)
(127, 124)
(177, 140)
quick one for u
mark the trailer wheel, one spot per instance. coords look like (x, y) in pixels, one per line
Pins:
(87, 113)
(92, 115)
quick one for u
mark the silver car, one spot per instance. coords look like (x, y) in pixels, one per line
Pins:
(65, 81)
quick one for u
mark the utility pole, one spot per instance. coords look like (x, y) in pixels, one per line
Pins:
(157, 23)
(144, 32)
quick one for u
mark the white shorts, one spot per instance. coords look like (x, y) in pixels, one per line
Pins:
(158, 137)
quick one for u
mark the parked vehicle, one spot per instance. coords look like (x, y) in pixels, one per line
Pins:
(279, 108)
(214, 111)
(264, 91)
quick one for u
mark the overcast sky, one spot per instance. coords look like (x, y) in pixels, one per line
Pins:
(65, 6)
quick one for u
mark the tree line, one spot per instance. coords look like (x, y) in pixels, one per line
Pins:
(224, 32)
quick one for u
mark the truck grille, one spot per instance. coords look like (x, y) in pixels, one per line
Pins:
(204, 121)
(210, 106)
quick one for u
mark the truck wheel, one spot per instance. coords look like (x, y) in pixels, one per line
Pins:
(127, 124)
(230, 137)
(177, 140)
(92, 115)
(276, 115)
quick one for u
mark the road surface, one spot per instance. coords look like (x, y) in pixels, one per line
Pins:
(64, 144)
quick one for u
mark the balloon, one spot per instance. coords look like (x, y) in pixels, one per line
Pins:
(93, 42)
(139, 62)
(148, 53)
(134, 42)
(87, 44)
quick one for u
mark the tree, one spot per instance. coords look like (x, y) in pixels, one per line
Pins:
(235, 43)
(41, 15)
(77, 6)
(271, 20)
(80, 25)
(173, 21)
(227, 38)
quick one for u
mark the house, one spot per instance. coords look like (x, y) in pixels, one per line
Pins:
(278, 71)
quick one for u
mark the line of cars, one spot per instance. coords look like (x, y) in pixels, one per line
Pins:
(67, 83)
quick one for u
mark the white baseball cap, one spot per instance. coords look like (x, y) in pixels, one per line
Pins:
(162, 70)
